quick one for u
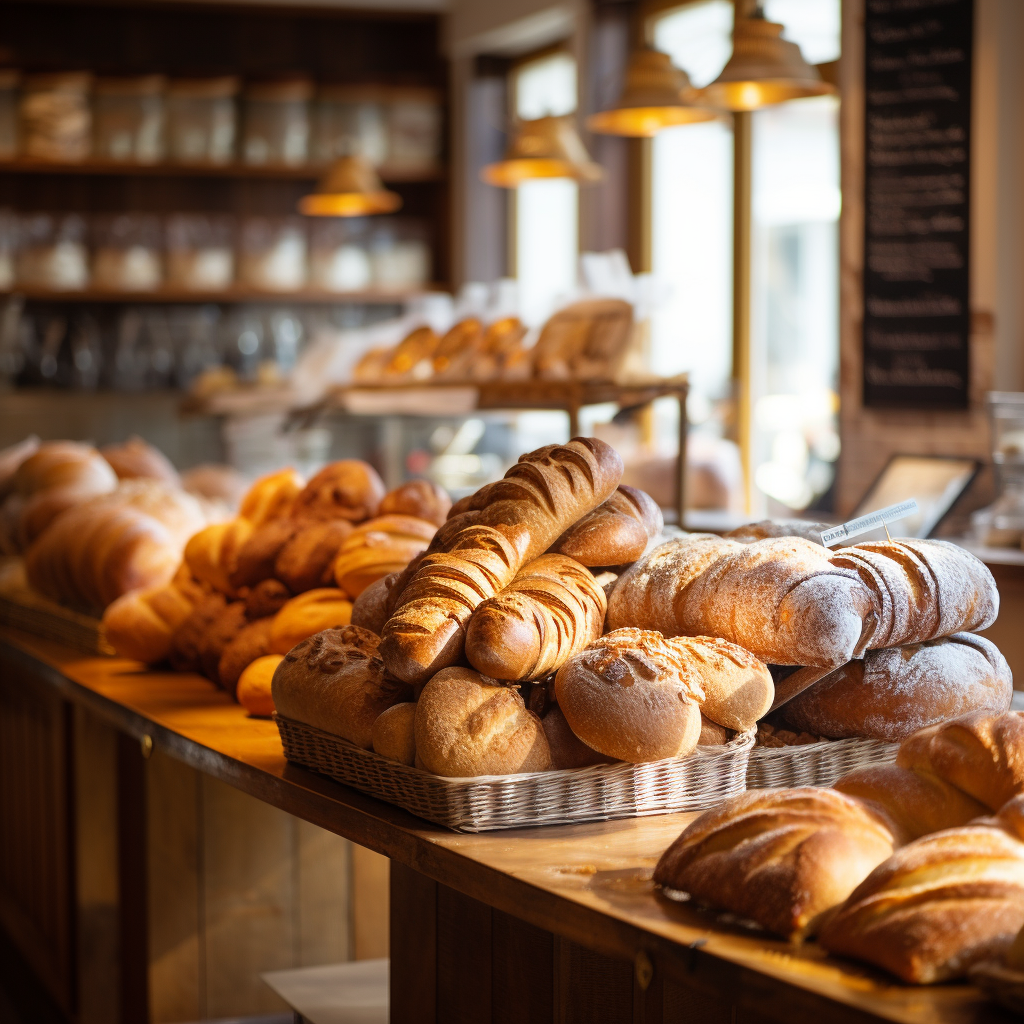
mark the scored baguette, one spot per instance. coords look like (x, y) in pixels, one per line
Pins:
(616, 532)
(539, 497)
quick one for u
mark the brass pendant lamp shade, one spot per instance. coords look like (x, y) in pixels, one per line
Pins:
(548, 147)
(656, 95)
(350, 188)
(764, 69)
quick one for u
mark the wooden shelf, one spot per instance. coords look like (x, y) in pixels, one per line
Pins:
(307, 296)
(279, 172)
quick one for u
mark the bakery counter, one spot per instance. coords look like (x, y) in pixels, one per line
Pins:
(558, 923)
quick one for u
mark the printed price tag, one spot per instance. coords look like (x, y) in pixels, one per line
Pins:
(855, 527)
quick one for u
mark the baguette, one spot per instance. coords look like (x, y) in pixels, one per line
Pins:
(539, 497)
(549, 612)
(616, 532)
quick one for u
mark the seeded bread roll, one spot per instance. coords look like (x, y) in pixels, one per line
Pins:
(348, 489)
(309, 613)
(544, 493)
(567, 749)
(893, 692)
(466, 726)
(306, 560)
(335, 681)
(616, 532)
(258, 553)
(252, 641)
(549, 612)
(420, 498)
(254, 686)
(394, 733)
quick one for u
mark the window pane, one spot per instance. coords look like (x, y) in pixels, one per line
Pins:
(698, 37)
(546, 86)
(814, 25)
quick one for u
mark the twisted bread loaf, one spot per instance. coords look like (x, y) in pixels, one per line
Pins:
(549, 612)
(616, 532)
(891, 693)
(792, 602)
(538, 498)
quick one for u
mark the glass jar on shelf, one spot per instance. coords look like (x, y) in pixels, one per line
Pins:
(200, 253)
(272, 254)
(201, 119)
(56, 119)
(276, 122)
(414, 130)
(8, 248)
(52, 252)
(9, 79)
(128, 118)
(339, 260)
(349, 121)
(399, 256)
(127, 254)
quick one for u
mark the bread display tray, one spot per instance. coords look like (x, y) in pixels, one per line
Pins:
(488, 802)
(814, 764)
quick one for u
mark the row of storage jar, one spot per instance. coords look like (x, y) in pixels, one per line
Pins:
(70, 117)
(141, 252)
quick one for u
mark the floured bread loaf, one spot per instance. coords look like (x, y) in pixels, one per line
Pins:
(466, 726)
(779, 528)
(549, 612)
(893, 692)
(539, 497)
(335, 681)
(616, 532)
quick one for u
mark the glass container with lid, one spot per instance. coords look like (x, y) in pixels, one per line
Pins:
(128, 118)
(200, 253)
(414, 130)
(201, 119)
(52, 252)
(349, 121)
(56, 119)
(128, 253)
(272, 254)
(276, 122)
(338, 256)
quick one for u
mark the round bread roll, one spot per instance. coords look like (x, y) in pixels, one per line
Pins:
(258, 554)
(271, 497)
(307, 614)
(212, 553)
(252, 641)
(378, 548)
(134, 458)
(369, 609)
(220, 632)
(567, 749)
(266, 599)
(896, 691)
(711, 733)
(466, 726)
(307, 560)
(335, 681)
(349, 489)
(254, 693)
(632, 696)
(394, 733)
(420, 498)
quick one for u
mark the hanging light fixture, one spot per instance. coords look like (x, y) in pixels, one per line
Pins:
(350, 188)
(548, 147)
(764, 69)
(656, 95)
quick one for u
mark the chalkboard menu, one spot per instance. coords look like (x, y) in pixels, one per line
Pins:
(917, 156)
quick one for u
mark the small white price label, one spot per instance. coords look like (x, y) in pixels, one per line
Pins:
(855, 527)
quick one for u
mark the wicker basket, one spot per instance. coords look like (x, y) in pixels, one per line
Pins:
(487, 802)
(814, 764)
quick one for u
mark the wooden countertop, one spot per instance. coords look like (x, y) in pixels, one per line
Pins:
(589, 883)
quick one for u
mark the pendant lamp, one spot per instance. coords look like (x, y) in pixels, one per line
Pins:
(548, 147)
(350, 188)
(764, 69)
(656, 95)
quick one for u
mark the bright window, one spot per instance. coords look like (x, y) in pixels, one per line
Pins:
(546, 212)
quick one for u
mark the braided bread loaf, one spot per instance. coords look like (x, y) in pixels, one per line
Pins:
(539, 497)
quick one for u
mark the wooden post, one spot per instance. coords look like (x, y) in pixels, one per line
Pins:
(741, 256)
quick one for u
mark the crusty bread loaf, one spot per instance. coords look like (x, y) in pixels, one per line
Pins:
(212, 553)
(378, 548)
(135, 458)
(616, 532)
(549, 612)
(369, 609)
(466, 726)
(783, 858)
(567, 749)
(335, 681)
(309, 613)
(252, 641)
(792, 602)
(394, 733)
(420, 498)
(348, 489)
(537, 500)
(891, 693)
(254, 686)
(257, 554)
(271, 497)
(779, 528)
(935, 907)
(306, 559)
(632, 696)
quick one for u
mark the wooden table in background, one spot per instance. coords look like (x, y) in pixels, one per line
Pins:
(557, 924)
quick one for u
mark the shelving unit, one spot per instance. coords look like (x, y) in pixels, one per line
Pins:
(307, 296)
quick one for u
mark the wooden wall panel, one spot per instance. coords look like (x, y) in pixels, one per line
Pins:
(369, 904)
(323, 902)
